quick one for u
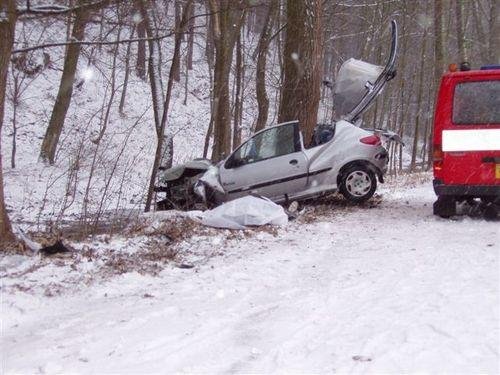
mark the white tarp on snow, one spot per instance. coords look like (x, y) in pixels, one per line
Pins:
(243, 212)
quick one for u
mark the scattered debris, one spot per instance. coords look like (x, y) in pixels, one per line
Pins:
(56, 248)
(361, 358)
(185, 266)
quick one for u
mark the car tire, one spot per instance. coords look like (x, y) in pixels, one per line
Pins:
(358, 183)
(445, 206)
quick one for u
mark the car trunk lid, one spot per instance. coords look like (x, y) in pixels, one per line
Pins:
(358, 83)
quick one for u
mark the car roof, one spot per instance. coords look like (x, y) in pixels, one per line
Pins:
(275, 126)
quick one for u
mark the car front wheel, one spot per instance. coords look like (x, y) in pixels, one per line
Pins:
(358, 183)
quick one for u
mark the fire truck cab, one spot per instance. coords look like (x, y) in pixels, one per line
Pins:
(466, 140)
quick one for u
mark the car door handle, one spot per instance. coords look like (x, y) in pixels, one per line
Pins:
(294, 162)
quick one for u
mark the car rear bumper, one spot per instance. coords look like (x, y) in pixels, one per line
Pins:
(465, 190)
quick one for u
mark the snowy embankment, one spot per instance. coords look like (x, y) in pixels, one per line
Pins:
(383, 288)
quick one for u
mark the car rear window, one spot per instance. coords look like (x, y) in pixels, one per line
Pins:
(477, 103)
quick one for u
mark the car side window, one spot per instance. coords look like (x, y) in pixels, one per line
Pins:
(477, 103)
(278, 141)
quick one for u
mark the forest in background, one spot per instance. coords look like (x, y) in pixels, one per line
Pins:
(243, 64)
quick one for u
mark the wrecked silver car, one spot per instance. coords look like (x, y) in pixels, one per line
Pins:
(279, 164)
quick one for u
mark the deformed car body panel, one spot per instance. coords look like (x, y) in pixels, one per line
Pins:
(190, 168)
(387, 74)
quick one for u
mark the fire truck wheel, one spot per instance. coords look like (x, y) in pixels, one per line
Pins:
(491, 211)
(445, 206)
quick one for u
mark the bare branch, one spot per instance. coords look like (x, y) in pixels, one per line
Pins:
(54, 9)
(87, 43)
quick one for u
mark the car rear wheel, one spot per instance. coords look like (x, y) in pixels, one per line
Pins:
(358, 183)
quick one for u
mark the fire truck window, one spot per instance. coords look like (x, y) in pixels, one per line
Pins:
(477, 103)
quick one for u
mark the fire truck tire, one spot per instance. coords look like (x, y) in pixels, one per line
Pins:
(491, 211)
(445, 206)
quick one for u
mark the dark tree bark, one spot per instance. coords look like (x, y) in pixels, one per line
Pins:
(420, 97)
(238, 100)
(494, 32)
(190, 41)
(176, 62)
(302, 64)
(63, 100)
(140, 66)
(7, 30)
(127, 74)
(460, 23)
(262, 49)
(209, 54)
(227, 18)
(438, 59)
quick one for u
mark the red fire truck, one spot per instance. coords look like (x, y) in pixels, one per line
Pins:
(466, 143)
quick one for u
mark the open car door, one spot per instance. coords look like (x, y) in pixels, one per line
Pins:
(271, 164)
(358, 83)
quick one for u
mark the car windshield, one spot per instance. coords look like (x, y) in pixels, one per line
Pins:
(477, 103)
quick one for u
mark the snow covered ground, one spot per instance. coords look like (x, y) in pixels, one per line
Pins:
(383, 288)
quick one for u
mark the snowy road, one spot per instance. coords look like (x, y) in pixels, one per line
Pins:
(387, 289)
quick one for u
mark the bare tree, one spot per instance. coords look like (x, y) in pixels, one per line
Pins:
(140, 66)
(460, 24)
(303, 61)
(260, 74)
(238, 96)
(494, 43)
(7, 30)
(63, 100)
(439, 58)
(420, 97)
(227, 17)
(162, 122)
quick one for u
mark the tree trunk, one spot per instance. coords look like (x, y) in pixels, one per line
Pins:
(238, 100)
(495, 32)
(127, 74)
(418, 119)
(63, 100)
(140, 66)
(227, 17)
(461, 43)
(190, 41)
(302, 64)
(438, 59)
(479, 30)
(160, 129)
(209, 54)
(7, 30)
(177, 58)
(262, 49)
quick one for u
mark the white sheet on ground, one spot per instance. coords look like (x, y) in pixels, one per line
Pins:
(243, 212)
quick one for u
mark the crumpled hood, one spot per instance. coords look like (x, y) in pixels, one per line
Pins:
(192, 168)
